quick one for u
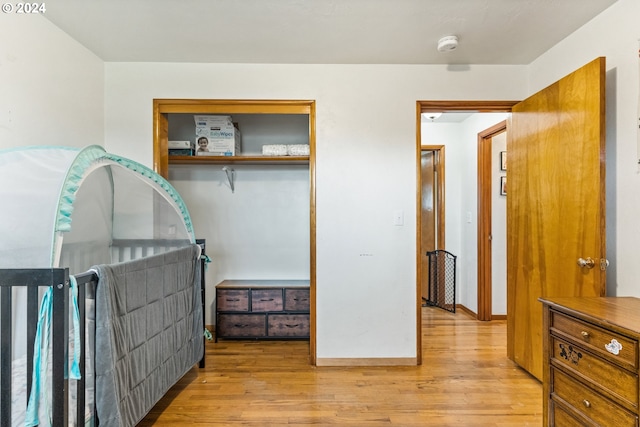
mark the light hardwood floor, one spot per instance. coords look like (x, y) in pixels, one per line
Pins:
(465, 380)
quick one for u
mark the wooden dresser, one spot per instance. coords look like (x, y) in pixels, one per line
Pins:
(590, 375)
(262, 309)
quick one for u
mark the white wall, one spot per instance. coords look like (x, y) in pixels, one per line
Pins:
(259, 231)
(613, 34)
(365, 170)
(52, 90)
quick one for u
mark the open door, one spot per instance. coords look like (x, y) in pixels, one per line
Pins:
(555, 204)
(431, 209)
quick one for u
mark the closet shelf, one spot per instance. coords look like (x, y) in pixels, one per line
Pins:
(247, 160)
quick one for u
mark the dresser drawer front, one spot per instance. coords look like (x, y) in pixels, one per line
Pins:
(597, 338)
(589, 403)
(266, 300)
(232, 299)
(289, 325)
(561, 418)
(296, 299)
(617, 381)
(242, 325)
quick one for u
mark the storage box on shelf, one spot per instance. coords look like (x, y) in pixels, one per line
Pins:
(262, 309)
(217, 136)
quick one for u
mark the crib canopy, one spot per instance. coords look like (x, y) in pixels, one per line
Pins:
(65, 207)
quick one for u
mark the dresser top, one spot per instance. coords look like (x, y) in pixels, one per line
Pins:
(229, 284)
(620, 312)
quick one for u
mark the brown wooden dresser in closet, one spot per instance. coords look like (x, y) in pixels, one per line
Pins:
(590, 373)
(262, 309)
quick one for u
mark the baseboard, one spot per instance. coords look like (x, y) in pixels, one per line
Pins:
(475, 315)
(466, 311)
(371, 361)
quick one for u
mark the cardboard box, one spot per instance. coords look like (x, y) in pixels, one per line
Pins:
(179, 145)
(180, 152)
(217, 136)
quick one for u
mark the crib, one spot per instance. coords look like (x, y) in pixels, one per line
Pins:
(73, 402)
(111, 315)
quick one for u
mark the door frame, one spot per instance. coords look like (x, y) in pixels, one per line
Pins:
(448, 107)
(485, 162)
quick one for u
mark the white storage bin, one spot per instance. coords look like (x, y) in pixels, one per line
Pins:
(274, 150)
(298, 149)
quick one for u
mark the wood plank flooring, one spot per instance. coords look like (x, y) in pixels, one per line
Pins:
(465, 380)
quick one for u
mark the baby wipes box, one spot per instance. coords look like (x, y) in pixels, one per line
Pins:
(217, 136)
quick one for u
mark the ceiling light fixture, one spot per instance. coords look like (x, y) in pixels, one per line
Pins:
(431, 115)
(447, 44)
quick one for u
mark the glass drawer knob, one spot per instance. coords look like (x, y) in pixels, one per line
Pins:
(585, 334)
(586, 403)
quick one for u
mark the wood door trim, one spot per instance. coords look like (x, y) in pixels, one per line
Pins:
(484, 218)
(162, 107)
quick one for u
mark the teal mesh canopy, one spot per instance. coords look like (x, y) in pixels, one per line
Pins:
(65, 207)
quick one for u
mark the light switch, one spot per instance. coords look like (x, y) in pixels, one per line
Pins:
(469, 217)
(398, 218)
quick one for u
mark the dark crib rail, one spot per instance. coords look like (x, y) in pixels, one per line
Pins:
(58, 280)
(87, 283)
(32, 279)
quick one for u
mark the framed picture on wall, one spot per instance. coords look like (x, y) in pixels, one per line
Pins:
(503, 160)
(503, 185)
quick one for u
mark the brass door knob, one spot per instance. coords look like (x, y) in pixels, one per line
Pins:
(589, 262)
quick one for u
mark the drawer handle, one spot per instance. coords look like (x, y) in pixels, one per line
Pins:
(239, 325)
(613, 347)
(301, 299)
(232, 299)
(266, 299)
(570, 354)
(585, 334)
(292, 326)
(586, 403)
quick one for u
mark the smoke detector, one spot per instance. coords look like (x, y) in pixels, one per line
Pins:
(447, 43)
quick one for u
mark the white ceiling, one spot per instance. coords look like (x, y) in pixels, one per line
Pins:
(321, 31)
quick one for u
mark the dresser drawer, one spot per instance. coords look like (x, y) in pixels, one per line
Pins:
(242, 325)
(266, 300)
(589, 403)
(296, 299)
(618, 382)
(598, 339)
(289, 325)
(560, 417)
(232, 299)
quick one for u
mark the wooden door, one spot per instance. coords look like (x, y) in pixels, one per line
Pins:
(555, 204)
(428, 239)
